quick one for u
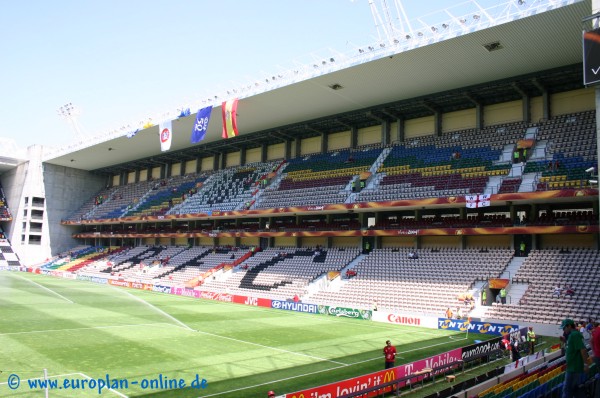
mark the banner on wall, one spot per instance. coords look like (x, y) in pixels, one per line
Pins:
(342, 312)
(463, 325)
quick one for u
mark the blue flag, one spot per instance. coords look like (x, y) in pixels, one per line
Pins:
(201, 124)
(183, 112)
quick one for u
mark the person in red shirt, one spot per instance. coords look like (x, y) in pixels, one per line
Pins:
(389, 352)
(595, 343)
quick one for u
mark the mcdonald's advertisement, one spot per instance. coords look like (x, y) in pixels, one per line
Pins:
(334, 390)
(349, 386)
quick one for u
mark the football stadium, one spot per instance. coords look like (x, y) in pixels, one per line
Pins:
(437, 190)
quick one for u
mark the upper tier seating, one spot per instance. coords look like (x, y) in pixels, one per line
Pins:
(318, 179)
(226, 190)
(165, 194)
(454, 164)
(570, 149)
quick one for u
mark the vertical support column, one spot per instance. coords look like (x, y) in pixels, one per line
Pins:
(264, 149)
(288, 149)
(353, 137)
(386, 133)
(243, 156)
(400, 130)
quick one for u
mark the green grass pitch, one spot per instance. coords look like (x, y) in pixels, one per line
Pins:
(83, 331)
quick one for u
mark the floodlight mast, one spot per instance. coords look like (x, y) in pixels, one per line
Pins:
(69, 112)
(386, 29)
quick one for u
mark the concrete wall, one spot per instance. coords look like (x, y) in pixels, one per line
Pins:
(66, 190)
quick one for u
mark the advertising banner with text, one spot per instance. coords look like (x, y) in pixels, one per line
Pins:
(397, 318)
(291, 306)
(342, 312)
(463, 325)
(359, 383)
(254, 301)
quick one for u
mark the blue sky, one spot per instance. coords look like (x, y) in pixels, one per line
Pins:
(119, 61)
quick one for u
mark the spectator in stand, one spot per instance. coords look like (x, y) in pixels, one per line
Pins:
(514, 349)
(557, 291)
(595, 342)
(505, 342)
(569, 291)
(587, 337)
(389, 352)
(577, 360)
(590, 325)
(531, 340)
(522, 248)
(449, 313)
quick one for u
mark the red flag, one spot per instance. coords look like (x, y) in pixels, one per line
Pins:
(229, 111)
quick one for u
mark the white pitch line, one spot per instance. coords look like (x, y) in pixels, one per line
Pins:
(314, 373)
(45, 288)
(86, 328)
(183, 325)
(272, 348)
(230, 338)
(41, 377)
(329, 319)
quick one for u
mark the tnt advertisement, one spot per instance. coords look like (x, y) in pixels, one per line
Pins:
(342, 312)
(346, 387)
(462, 325)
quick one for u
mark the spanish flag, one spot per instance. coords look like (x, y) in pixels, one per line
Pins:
(229, 111)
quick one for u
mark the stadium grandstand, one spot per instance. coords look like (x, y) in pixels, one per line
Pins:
(407, 178)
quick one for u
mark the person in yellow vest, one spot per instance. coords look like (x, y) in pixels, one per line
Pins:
(531, 340)
(503, 295)
(516, 156)
(484, 298)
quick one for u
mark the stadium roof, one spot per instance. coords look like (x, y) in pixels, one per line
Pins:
(527, 56)
(8, 163)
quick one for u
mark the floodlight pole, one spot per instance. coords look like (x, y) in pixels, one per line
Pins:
(386, 26)
(69, 112)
